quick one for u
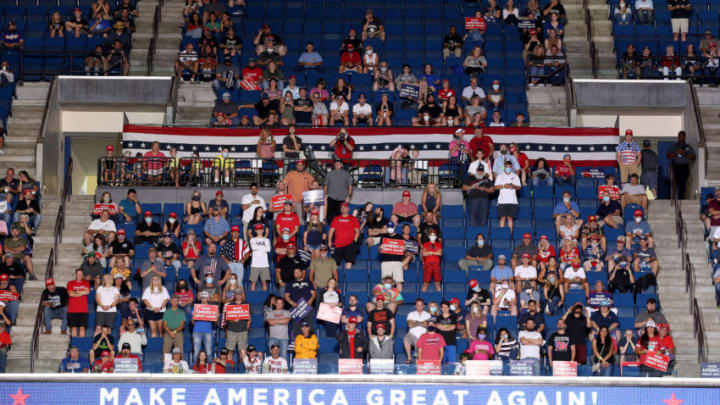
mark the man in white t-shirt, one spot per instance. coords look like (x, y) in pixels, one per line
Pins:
(339, 111)
(250, 202)
(525, 273)
(102, 226)
(417, 324)
(504, 298)
(275, 364)
(507, 183)
(472, 90)
(362, 111)
(530, 343)
(575, 277)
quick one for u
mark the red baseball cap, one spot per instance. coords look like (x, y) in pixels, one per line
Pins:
(454, 300)
(380, 326)
(406, 193)
(259, 226)
(433, 232)
(345, 204)
(121, 232)
(352, 319)
(496, 81)
(173, 215)
(638, 213)
(473, 283)
(219, 192)
(314, 212)
(266, 26)
(594, 236)
(291, 246)
(291, 77)
(49, 281)
(148, 213)
(591, 217)
(527, 255)
(378, 298)
(235, 228)
(105, 353)
(4, 277)
(109, 147)
(628, 132)
(543, 237)
(527, 235)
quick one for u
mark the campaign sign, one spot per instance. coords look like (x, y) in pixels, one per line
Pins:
(329, 313)
(409, 91)
(475, 23)
(525, 24)
(428, 367)
(305, 366)
(483, 367)
(99, 208)
(522, 367)
(205, 312)
(392, 247)
(7, 295)
(126, 365)
(658, 361)
(301, 310)
(313, 197)
(412, 247)
(629, 368)
(278, 201)
(564, 368)
(382, 366)
(710, 370)
(237, 312)
(350, 366)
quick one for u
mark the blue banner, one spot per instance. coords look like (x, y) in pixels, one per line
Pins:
(246, 393)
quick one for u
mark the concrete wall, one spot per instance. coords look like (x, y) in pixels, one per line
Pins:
(651, 123)
(113, 90)
(111, 120)
(52, 163)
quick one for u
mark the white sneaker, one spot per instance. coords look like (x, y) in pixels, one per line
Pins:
(2, 151)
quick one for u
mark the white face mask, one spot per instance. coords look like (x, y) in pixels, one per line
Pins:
(383, 69)
(225, 154)
(171, 220)
(391, 230)
(508, 170)
(481, 242)
(148, 220)
(566, 199)
(426, 117)
(638, 219)
(453, 307)
(433, 238)
(450, 122)
(496, 87)
(387, 286)
(476, 309)
(232, 281)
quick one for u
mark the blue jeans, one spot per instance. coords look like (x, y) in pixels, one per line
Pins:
(3, 360)
(604, 371)
(55, 313)
(202, 340)
(283, 343)
(19, 284)
(477, 211)
(450, 354)
(562, 181)
(34, 220)
(553, 307)
(12, 308)
(536, 181)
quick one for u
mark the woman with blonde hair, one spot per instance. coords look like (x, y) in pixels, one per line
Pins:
(56, 26)
(432, 200)
(554, 294)
(155, 298)
(107, 297)
(232, 288)
(266, 145)
(475, 63)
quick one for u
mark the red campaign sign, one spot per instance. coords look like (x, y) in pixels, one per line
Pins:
(350, 366)
(392, 246)
(428, 367)
(475, 23)
(329, 313)
(237, 312)
(278, 201)
(205, 312)
(564, 368)
(7, 295)
(658, 361)
(98, 209)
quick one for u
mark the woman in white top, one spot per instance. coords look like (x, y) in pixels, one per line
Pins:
(370, 60)
(510, 13)
(569, 228)
(107, 297)
(155, 298)
(176, 364)
(480, 159)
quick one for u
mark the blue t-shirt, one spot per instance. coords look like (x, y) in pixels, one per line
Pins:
(129, 208)
(501, 274)
(633, 227)
(357, 312)
(499, 164)
(216, 228)
(310, 57)
(12, 37)
(203, 327)
(561, 209)
(604, 321)
(68, 365)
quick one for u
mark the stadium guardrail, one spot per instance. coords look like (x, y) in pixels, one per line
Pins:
(39, 318)
(153, 41)
(211, 172)
(564, 69)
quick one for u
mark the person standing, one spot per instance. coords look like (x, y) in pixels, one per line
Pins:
(628, 157)
(343, 234)
(478, 187)
(298, 181)
(680, 155)
(250, 202)
(55, 301)
(338, 189)
(344, 145)
(649, 165)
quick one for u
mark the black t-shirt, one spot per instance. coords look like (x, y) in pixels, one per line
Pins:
(425, 231)
(287, 266)
(104, 344)
(230, 42)
(576, 329)
(434, 110)
(289, 143)
(558, 8)
(380, 109)
(303, 117)
(560, 346)
(22, 205)
(121, 248)
(476, 251)
(380, 316)
(356, 43)
(11, 185)
(204, 41)
(275, 39)
(143, 227)
(453, 41)
(374, 24)
(605, 210)
(682, 12)
(384, 257)
(299, 290)
(263, 110)
(449, 336)
(483, 296)
(475, 193)
(13, 270)
(57, 298)
(374, 224)
(162, 250)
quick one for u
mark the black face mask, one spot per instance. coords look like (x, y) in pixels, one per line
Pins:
(196, 198)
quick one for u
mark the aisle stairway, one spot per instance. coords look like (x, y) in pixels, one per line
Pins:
(577, 46)
(169, 38)
(547, 106)
(602, 39)
(141, 37)
(23, 127)
(195, 103)
(709, 104)
(52, 348)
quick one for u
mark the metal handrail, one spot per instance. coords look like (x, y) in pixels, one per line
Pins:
(699, 331)
(39, 319)
(153, 41)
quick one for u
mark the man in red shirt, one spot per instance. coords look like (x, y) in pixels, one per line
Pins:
(344, 145)
(432, 254)
(5, 343)
(405, 211)
(565, 172)
(344, 232)
(155, 162)
(288, 219)
(431, 345)
(77, 310)
(251, 76)
(125, 354)
(481, 142)
(610, 187)
(104, 364)
(350, 59)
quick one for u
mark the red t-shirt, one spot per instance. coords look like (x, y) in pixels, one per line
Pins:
(445, 94)
(342, 152)
(430, 343)
(545, 255)
(405, 210)
(562, 170)
(568, 256)
(522, 159)
(253, 75)
(103, 367)
(289, 221)
(654, 344)
(668, 342)
(191, 254)
(77, 304)
(613, 190)
(344, 226)
(154, 163)
(5, 339)
(483, 143)
(220, 369)
(350, 57)
(714, 204)
(431, 247)
(280, 244)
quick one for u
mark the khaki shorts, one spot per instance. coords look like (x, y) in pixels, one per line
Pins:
(239, 339)
(392, 269)
(635, 198)
(411, 339)
(257, 273)
(679, 24)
